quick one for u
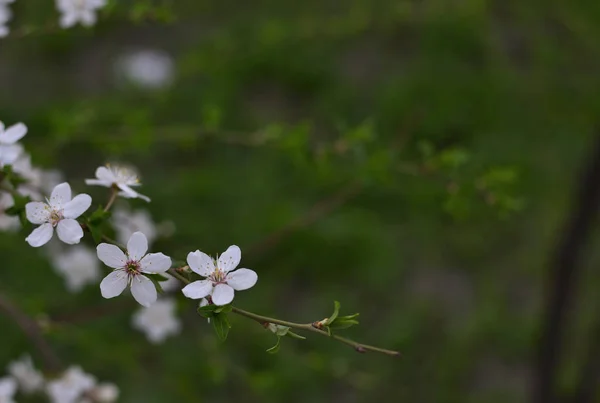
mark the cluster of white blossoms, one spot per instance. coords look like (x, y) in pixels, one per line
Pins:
(5, 16)
(72, 12)
(72, 386)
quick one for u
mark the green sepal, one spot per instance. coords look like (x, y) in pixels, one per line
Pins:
(221, 325)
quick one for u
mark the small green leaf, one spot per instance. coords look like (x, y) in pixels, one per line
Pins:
(225, 308)
(275, 348)
(221, 325)
(207, 311)
(295, 335)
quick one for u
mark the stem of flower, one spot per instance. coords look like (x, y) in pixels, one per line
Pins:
(263, 320)
(111, 200)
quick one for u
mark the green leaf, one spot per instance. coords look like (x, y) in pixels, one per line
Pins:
(207, 311)
(295, 335)
(344, 322)
(275, 348)
(221, 325)
(225, 308)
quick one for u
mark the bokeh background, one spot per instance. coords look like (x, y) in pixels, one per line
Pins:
(414, 160)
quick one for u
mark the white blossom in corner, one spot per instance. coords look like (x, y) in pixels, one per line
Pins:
(221, 280)
(129, 269)
(29, 379)
(127, 222)
(7, 222)
(9, 149)
(78, 11)
(71, 386)
(5, 17)
(120, 177)
(78, 266)
(59, 211)
(8, 388)
(158, 321)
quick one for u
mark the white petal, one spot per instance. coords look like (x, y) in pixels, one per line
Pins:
(10, 154)
(230, 258)
(129, 193)
(68, 19)
(222, 294)
(61, 195)
(242, 279)
(201, 263)
(37, 212)
(69, 231)
(98, 182)
(198, 289)
(13, 134)
(137, 246)
(155, 263)
(111, 255)
(77, 206)
(113, 284)
(143, 290)
(105, 174)
(41, 235)
(203, 302)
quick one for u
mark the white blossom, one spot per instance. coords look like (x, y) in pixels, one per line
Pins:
(78, 11)
(8, 388)
(151, 69)
(10, 150)
(59, 211)
(29, 379)
(5, 17)
(7, 222)
(129, 269)
(102, 393)
(38, 180)
(127, 222)
(158, 321)
(120, 177)
(79, 266)
(71, 386)
(221, 280)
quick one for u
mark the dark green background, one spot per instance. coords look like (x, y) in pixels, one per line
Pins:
(276, 108)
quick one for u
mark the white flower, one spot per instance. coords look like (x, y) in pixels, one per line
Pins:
(78, 11)
(129, 268)
(71, 386)
(38, 180)
(119, 177)
(78, 266)
(9, 149)
(103, 393)
(220, 283)
(60, 212)
(126, 223)
(29, 379)
(8, 388)
(158, 321)
(7, 222)
(5, 16)
(150, 69)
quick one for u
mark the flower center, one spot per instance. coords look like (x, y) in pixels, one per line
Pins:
(218, 276)
(55, 217)
(133, 268)
(124, 175)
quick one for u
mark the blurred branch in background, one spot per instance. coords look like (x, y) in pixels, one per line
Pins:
(32, 331)
(563, 275)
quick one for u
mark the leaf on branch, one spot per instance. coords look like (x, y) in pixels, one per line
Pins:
(275, 348)
(221, 325)
(97, 223)
(336, 322)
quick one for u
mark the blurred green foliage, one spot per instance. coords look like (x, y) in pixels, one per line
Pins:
(457, 127)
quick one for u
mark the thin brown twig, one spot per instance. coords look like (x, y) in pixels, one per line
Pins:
(32, 331)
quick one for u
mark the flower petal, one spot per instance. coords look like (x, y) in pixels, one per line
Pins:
(61, 195)
(105, 174)
(114, 283)
(10, 153)
(37, 212)
(201, 263)
(143, 290)
(98, 182)
(77, 206)
(242, 279)
(128, 193)
(155, 263)
(230, 258)
(13, 134)
(111, 255)
(137, 246)
(198, 289)
(41, 235)
(222, 294)
(69, 231)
